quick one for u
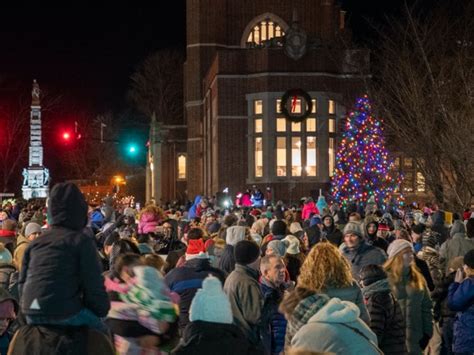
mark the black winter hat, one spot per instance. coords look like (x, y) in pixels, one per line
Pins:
(469, 258)
(418, 228)
(279, 228)
(246, 252)
(372, 273)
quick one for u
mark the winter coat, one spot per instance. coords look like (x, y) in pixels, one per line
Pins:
(332, 233)
(293, 265)
(186, 280)
(363, 255)
(309, 209)
(461, 300)
(425, 271)
(192, 213)
(61, 273)
(201, 337)
(431, 257)
(440, 298)
(9, 279)
(227, 259)
(416, 307)
(304, 310)
(148, 223)
(458, 245)
(386, 318)
(273, 322)
(439, 227)
(21, 245)
(246, 300)
(352, 294)
(337, 328)
(246, 200)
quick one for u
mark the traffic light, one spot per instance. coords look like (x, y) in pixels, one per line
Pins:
(66, 137)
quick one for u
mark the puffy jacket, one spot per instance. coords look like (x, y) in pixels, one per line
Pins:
(416, 307)
(461, 300)
(148, 223)
(308, 209)
(386, 318)
(61, 273)
(337, 328)
(186, 280)
(274, 322)
(9, 279)
(363, 255)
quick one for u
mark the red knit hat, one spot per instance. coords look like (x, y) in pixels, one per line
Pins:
(195, 246)
(384, 227)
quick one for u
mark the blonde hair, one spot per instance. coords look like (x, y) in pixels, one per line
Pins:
(324, 267)
(394, 269)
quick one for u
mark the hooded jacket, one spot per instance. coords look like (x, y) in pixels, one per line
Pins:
(458, 245)
(461, 300)
(61, 272)
(364, 254)
(332, 233)
(337, 328)
(373, 239)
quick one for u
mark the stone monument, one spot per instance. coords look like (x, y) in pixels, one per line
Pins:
(36, 176)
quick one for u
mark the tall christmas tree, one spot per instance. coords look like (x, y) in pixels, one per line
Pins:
(363, 168)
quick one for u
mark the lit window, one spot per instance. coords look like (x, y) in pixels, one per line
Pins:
(278, 108)
(295, 126)
(310, 156)
(181, 167)
(258, 107)
(264, 31)
(281, 125)
(281, 156)
(311, 125)
(296, 156)
(295, 105)
(313, 109)
(332, 125)
(258, 157)
(258, 125)
(332, 155)
(408, 182)
(332, 107)
(397, 162)
(420, 182)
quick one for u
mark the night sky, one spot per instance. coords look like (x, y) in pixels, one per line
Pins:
(89, 52)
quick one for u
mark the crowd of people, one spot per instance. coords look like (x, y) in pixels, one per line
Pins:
(200, 279)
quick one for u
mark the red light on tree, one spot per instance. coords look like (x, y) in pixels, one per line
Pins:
(66, 136)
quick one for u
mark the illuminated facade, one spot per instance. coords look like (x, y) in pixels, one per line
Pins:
(241, 58)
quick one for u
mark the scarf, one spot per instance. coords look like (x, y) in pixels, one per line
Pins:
(376, 287)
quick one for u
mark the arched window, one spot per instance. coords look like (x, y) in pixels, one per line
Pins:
(262, 29)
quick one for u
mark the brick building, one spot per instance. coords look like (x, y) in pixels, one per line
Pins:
(240, 60)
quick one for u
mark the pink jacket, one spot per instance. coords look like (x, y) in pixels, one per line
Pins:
(148, 223)
(309, 208)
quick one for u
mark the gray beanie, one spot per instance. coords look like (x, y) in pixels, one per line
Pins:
(397, 246)
(278, 246)
(31, 228)
(354, 228)
(234, 234)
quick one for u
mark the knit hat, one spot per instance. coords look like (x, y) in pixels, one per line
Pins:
(234, 235)
(278, 227)
(8, 225)
(210, 303)
(418, 228)
(372, 273)
(354, 228)
(246, 252)
(469, 258)
(278, 247)
(295, 227)
(293, 244)
(397, 246)
(384, 227)
(429, 240)
(31, 228)
(5, 255)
